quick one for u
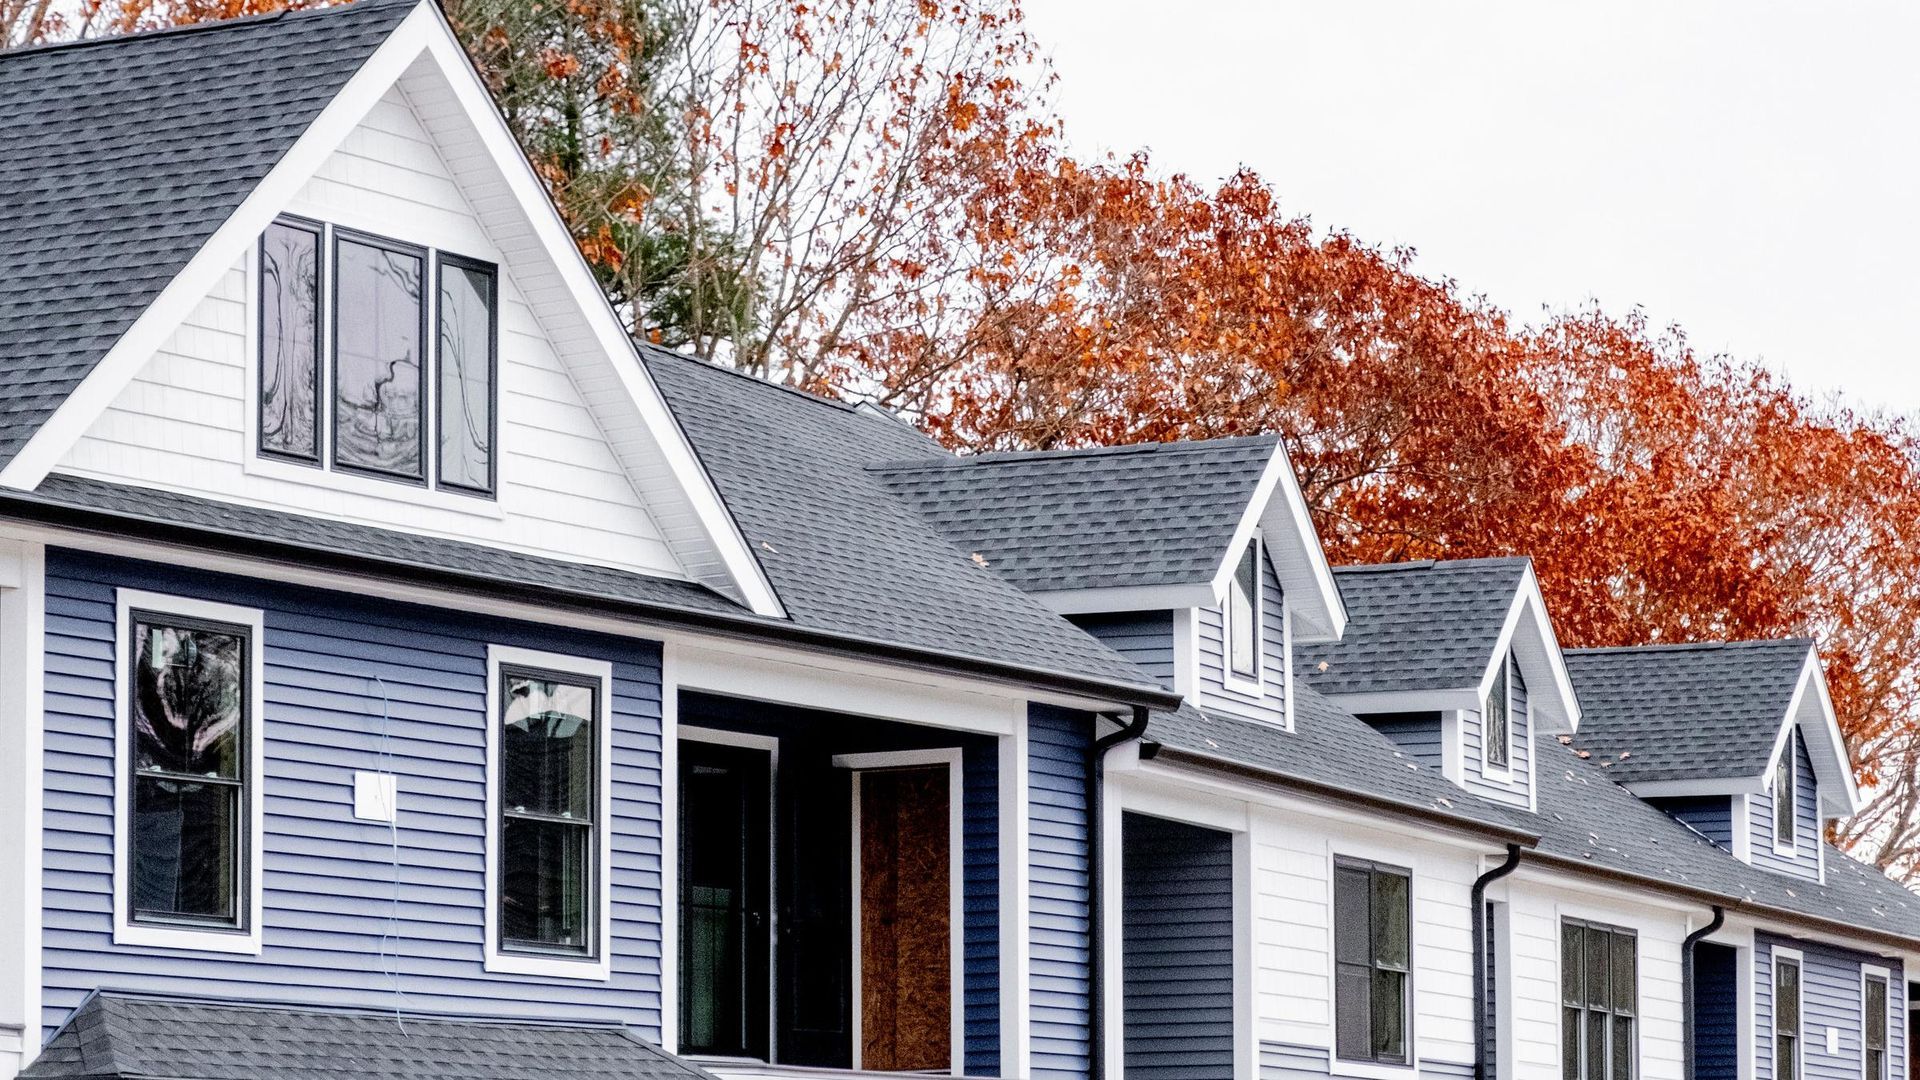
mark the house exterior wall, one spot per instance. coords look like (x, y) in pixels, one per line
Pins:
(1420, 735)
(1060, 892)
(1709, 815)
(1144, 637)
(1804, 859)
(1831, 996)
(1515, 786)
(353, 914)
(1177, 944)
(1214, 691)
(185, 422)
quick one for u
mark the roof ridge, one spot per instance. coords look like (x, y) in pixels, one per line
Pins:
(648, 348)
(1431, 564)
(1014, 457)
(1683, 646)
(135, 37)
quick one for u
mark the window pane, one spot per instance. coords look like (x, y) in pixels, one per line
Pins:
(1785, 1065)
(1390, 917)
(289, 341)
(1569, 1043)
(1783, 798)
(1353, 987)
(377, 359)
(466, 377)
(1876, 1010)
(1352, 925)
(1786, 997)
(1622, 1048)
(187, 700)
(548, 757)
(1596, 968)
(1876, 1065)
(1573, 955)
(1389, 1016)
(1243, 622)
(1494, 733)
(1596, 1046)
(545, 867)
(1624, 970)
(184, 857)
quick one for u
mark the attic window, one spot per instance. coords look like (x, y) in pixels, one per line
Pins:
(1243, 614)
(1496, 735)
(1783, 801)
(406, 404)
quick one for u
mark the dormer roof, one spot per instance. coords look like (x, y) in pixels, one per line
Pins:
(1151, 526)
(1710, 717)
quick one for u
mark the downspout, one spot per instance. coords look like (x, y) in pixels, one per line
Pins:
(1686, 984)
(1096, 890)
(1481, 1051)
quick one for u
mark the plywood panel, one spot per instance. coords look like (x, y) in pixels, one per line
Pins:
(905, 920)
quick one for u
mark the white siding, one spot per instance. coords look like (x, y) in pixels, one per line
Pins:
(184, 423)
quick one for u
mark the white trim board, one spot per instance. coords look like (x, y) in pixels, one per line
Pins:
(22, 843)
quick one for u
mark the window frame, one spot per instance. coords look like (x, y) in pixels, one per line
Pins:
(1787, 801)
(1345, 1064)
(322, 343)
(597, 963)
(1503, 682)
(1611, 1010)
(337, 235)
(1248, 682)
(1870, 973)
(245, 936)
(442, 261)
(1781, 956)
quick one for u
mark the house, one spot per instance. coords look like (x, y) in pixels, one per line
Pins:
(404, 673)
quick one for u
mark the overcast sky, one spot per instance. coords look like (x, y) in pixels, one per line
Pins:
(1747, 170)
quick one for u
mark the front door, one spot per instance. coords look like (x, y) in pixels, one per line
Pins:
(905, 908)
(724, 812)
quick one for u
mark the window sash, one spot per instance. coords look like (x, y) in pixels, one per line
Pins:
(1599, 1001)
(272, 361)
(1874, 1004)
(414, 471)
(1372, 983)
(1784, 799)
(1495, 731)
(449, 383)
(583, 891)
(1243, 614)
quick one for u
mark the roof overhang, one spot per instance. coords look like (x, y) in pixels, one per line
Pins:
(1528, 634)
(1811, 712)
(1278, 510)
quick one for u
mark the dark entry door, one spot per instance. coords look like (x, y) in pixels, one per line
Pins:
(724, 811)
(906, 993)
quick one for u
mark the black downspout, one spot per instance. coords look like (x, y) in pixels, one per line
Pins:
(1479, 902)
(1686, 985)
(1096, 891)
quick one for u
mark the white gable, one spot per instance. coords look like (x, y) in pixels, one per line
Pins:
(592, 467)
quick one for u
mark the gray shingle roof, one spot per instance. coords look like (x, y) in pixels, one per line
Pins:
(116, 1036)
(1669, 712)
(123, 156)
(1414, 626)
(1143, 515)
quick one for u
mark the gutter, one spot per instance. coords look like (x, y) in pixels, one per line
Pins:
(121, 526)
(1686, 987)
(1096, 889)
(1481, 1050)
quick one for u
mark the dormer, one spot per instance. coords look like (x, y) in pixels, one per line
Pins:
(1737, 740)
(1456, 662)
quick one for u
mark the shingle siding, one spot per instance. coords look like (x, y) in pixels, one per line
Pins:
(350, 684)
(1177, 949)
(1059, 891)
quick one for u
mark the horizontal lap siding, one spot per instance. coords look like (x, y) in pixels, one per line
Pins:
(350, 684)
(980, 805)
(1830, 996)
(1144, 637)
(1804, 861)
(1177, 950)
(1514, 789)
(1270, 704)
(1058, 839)
(1716, 1013)
(1418, 735)
(1709, 815)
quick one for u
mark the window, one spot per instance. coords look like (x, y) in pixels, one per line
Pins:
(1783, 800)
(1496, 743)
(548, 862)
(187, 837)
(1243, 614)
(1786, 1016)
(1599, 1001)
(403, 405)
(1372, 961)
(1874, 1006)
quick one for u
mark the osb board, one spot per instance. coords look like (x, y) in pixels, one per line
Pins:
(905, 920)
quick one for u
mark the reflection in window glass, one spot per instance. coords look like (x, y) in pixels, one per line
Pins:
(1599, 993)
(1372, 959)
(548, 764)
(290, 341)
(377, 359)
(1243, 613)
(467, 314)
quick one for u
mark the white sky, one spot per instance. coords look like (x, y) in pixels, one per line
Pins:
(1744, 169)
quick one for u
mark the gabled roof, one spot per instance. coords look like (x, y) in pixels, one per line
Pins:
(1139, 527)
(1709, 717)
(123, 157)
(124, 1036)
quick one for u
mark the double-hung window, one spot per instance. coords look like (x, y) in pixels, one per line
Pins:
(388, 348)
(1599, 998)
(1786, 1016)
(1496, 745)
(1373, 953)
(1243, 614)
(187, 837)
(548, 748)
(1873, 1004)
(1784, 800)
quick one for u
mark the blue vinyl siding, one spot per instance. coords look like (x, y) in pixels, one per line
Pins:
(1144, 637)
(350, 684)
(1716, 1013)
(1177, 949)
(1709, 815)
(1213, 693)
(980, 891)
(1830, 996)
(1805, 860)
(1514, 790)
(1418, 735)
(1059, 891)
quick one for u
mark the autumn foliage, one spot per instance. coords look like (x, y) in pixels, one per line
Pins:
(869, 197)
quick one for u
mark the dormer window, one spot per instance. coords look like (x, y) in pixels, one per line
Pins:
(1243, 614)
(1496, 731)
(1783, 800)
(402, 402)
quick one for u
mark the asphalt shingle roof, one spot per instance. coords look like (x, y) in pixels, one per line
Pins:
(1666, 712)
(1414, 626)
(1143, 515)
(122, 156)
(117, 1036)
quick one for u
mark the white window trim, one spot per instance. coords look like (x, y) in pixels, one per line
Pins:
(1604, 919)
(956, 907)
(599, 966)
(1792, 846)
(1799, 961)
(1255, 684)
(126, 931)
(1353, 851)
(1487, 768)
(1885, 975)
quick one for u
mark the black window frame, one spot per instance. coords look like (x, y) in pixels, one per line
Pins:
(1579, 1007)
(322, 303)
(1786, 805)
(441, 261)
(1503, 687)
(590, 901)
(1796, 1034)
(1251, 553)
(1374, 966)
(336, 236)
(242, 783)
(1867, 1047)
